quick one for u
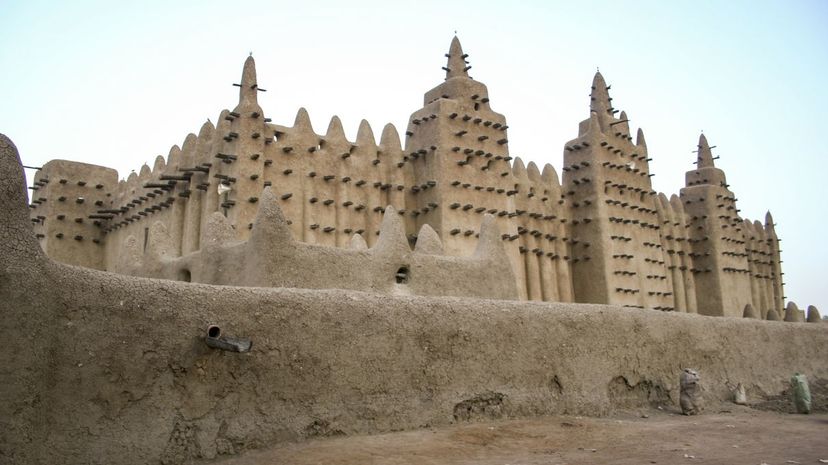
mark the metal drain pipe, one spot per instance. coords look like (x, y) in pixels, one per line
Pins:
(215, 340)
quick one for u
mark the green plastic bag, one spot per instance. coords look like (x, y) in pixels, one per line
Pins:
(801, 393)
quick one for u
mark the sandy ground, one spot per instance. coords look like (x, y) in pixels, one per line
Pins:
(736, 435)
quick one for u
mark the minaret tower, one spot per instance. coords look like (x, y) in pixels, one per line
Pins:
(716, 234)
(238, 162)
(616, 254)
(457, 142)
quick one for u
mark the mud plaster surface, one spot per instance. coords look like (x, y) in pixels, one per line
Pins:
(104, 368)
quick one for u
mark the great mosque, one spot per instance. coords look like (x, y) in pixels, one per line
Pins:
(446, 211)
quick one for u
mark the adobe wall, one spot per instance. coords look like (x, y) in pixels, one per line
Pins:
(272, 258)
(63, 193)
(105, 368)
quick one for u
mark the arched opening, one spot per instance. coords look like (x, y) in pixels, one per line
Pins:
(184, 275)
(403, 275)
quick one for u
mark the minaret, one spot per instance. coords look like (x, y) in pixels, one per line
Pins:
(717, 238)
(774, 255)
(458, 142)
(238, 162)
(606, 182)
(458, 148)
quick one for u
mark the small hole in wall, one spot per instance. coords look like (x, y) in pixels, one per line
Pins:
(184, 275)
(403, 274)
(476, 106)
(213, 331)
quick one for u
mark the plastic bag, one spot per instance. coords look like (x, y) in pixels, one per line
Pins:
(801, 393)
(739, 395)
(690, 398)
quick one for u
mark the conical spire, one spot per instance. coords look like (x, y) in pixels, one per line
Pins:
(335, 130)
(705, 155)
(217, 231)
(270, 228)
(639, 139)
(158, 166)
(550, 176)
(428, 241)
(662, 198)
(769, 224)
(247, 92)
(792, 313)
(392, 240)
(146, 171)
(813, 315)
(174, 158)
(365, 135)
(390, 139)
(457, 65)
(206, 129)
(599, 97)
(749, 312)
(358, 242)
(759, 231)
(302, 120)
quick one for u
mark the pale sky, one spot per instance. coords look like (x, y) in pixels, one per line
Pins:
(118, 83)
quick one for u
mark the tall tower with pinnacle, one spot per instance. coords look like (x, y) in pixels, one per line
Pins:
(717, 235)
(458, 143)
(240, 165)
(617, 257)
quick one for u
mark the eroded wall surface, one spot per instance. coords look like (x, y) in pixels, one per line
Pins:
(105, 368)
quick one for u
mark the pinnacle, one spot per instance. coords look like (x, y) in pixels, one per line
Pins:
(599, 97)
(457, 65)
(390, 138)
(639, 139)
(705, 155)
(248, 87)
(335, 130)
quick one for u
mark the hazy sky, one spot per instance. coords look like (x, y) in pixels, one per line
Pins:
(117, 83)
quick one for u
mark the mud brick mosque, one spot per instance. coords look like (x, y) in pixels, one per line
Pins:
(377, 286)
(446, 211)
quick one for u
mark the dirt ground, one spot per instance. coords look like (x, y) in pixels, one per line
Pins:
(731, 435)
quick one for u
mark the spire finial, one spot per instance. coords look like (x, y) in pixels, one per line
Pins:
(599, 97)
(769, 224)
(457, 65)
(248, 90)
(705, 155)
